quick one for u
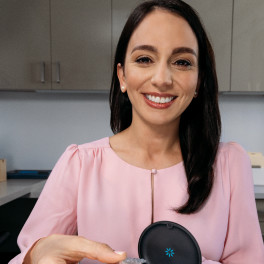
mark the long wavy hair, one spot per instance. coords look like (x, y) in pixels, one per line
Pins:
(200, 123)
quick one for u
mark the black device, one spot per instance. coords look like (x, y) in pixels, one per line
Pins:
(167, 242)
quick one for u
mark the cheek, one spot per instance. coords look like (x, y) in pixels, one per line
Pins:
(189, 83)
(135, 79)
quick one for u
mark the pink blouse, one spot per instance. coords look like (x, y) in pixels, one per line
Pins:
(94, 193)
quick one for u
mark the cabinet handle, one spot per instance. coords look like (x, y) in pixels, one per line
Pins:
(58, 72)
(42, 77)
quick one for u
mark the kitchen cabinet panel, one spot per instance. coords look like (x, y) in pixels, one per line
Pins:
(81, 44)
(248, 43)
(24, 44)
(217, 18)
(55, 44)
(13, 217)
(121, 10)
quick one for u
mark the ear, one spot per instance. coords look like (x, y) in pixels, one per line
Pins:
(121, 76)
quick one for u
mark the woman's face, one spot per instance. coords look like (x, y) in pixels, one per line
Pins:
(160, 72)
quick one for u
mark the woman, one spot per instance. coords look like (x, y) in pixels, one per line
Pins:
(163, 163)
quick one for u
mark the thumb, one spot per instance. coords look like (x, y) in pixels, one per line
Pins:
(122, 255)
(104, 253)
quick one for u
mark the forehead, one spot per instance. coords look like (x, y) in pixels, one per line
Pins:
(163, 29)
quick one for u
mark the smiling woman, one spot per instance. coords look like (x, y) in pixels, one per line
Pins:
(164, 162)
(160, 70)
(163, 60)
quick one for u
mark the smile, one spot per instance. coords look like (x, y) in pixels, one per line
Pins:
(159, 101)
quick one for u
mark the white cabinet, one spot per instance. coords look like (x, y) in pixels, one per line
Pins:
(217, 19)
(55, 44)
(24, 45)
(248, 46)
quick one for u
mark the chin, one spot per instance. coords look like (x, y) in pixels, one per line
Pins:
(163, 122)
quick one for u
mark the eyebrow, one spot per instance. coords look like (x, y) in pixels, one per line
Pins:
(178, 50)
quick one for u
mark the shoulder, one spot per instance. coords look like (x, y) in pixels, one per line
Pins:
(97, 144)
(234, 169)
(75, 156)
(75, 151)
(232, 151)
(233, 162)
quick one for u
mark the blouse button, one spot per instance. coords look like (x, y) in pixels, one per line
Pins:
(154, 171)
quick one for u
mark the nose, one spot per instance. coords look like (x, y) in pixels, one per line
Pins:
(162, 76)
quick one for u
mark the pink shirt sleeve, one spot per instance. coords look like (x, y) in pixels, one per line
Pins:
(243, 243)
(58, 209)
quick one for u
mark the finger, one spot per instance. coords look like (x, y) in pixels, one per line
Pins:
(51, 260)
(103, 252)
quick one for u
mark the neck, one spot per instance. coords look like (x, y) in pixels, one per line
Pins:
(155, 140)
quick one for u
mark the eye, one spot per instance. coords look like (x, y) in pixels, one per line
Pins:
(185, 64)
(143, 60)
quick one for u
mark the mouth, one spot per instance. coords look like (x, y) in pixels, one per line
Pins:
(159, 101)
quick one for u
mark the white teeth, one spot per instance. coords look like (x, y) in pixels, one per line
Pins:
(160, 100)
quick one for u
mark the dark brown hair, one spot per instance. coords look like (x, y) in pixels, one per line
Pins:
(200, 125)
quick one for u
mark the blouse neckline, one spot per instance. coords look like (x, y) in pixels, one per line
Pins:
(119, 159)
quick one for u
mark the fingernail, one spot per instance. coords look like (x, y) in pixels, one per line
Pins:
(120, 252)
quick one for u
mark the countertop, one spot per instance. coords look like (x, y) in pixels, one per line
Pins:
(13, 189)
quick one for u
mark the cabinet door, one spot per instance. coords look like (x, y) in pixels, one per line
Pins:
(24, 45)
(217, 18)
(121, 10)
(81, 44)
(248, 43)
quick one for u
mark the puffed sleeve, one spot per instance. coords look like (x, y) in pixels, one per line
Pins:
(243, 243)
(55, 210)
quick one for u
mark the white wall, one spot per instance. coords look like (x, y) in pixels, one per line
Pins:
(37, 127)
(243, 120)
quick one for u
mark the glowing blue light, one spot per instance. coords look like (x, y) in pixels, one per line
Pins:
(169, 252)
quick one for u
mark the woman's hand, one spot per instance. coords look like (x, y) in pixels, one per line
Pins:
(65, 249)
